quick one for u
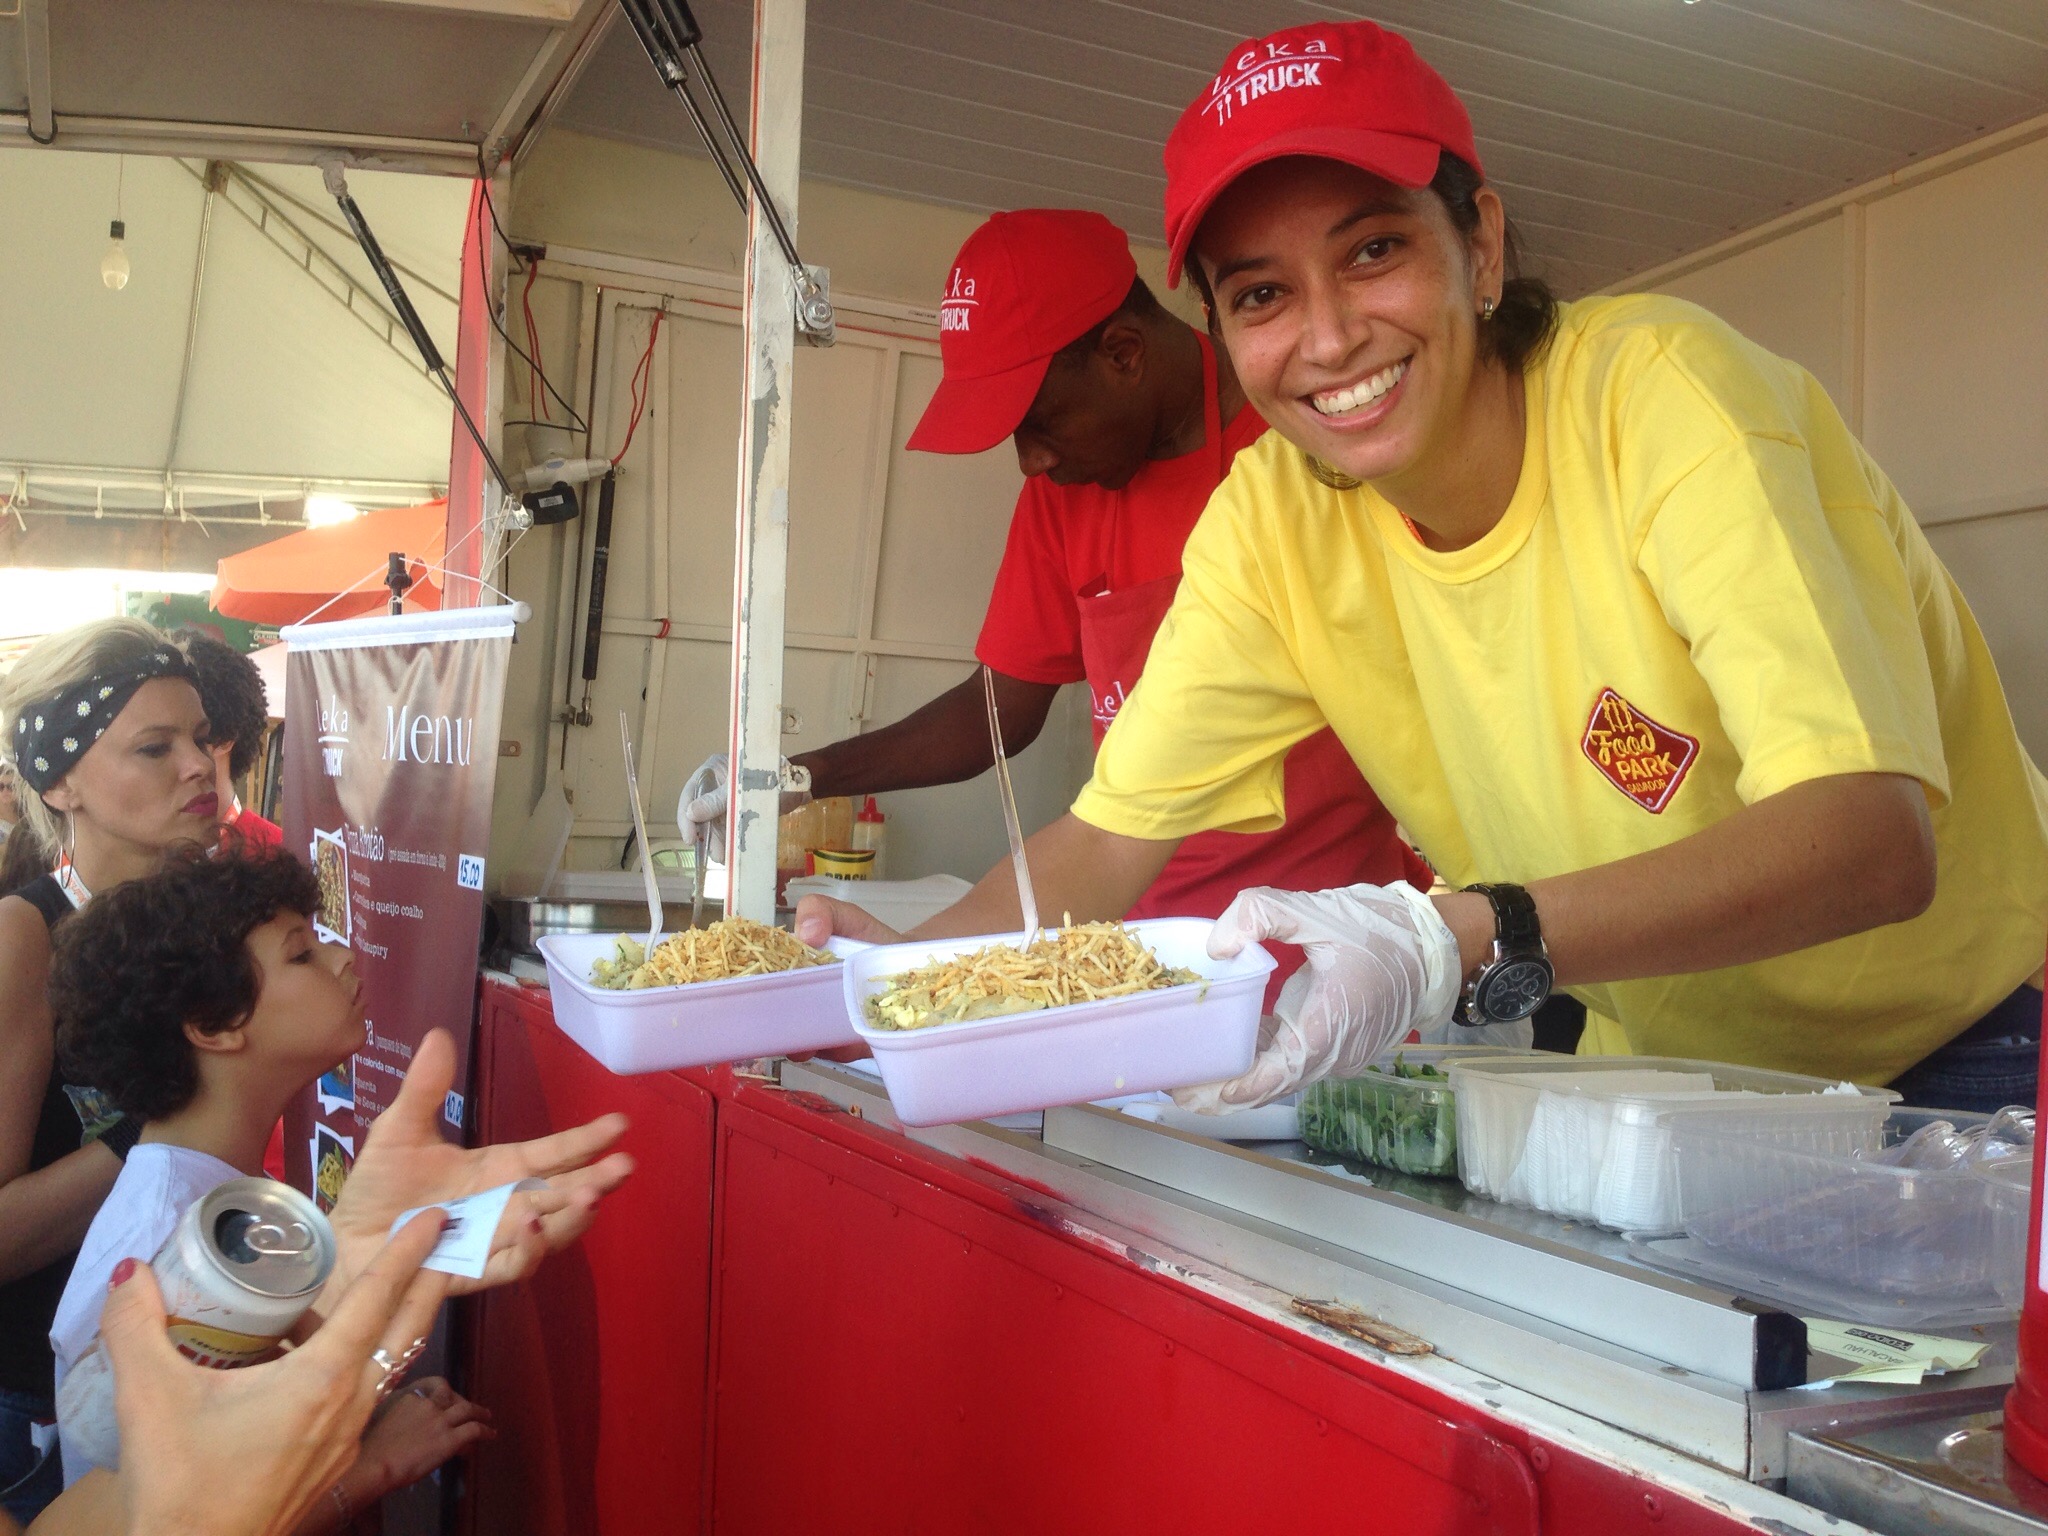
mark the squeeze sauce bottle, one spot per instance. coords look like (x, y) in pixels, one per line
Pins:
(870, 830)
(2026, 1406)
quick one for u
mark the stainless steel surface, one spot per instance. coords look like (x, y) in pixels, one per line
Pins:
(1938, 1473)
(1578, 1277)
(1027, 899)
(700, 855)
(1581, 1369)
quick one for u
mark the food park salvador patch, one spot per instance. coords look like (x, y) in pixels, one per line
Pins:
(1644, 760)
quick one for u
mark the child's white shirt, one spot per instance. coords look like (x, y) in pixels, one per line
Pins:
(156, 1185)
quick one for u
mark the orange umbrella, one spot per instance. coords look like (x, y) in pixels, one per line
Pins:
(289, 579)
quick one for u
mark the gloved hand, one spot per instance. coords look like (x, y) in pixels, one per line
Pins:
(706, 794)
(1380, 963)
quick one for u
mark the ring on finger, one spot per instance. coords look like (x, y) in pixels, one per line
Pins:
(394, 1369)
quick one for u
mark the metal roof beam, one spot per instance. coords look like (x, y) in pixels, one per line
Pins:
(241, 141)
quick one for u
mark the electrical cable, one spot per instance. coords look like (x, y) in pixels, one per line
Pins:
(491, 310)
(533, 393)
(642, 385)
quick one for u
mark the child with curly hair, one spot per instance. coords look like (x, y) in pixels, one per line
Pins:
(200, 1001)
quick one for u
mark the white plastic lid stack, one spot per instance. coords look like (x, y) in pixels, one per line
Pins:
(1590, 1139)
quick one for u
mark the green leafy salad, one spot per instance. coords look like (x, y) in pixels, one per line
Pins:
(1402, 1115)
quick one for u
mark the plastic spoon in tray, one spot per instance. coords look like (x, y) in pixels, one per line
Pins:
(640, 832)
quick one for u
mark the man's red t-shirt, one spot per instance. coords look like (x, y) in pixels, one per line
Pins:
(1069, 540)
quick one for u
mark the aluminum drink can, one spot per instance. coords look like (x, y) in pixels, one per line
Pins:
(237, 1273)
(240, 1269)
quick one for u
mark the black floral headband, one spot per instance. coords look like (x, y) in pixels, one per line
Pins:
(51, 735)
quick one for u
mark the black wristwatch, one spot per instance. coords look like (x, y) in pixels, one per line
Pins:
(1513, 982)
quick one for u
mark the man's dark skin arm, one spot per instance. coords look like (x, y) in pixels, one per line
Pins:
(945, 742)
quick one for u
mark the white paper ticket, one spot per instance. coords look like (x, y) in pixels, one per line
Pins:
(472, 1222)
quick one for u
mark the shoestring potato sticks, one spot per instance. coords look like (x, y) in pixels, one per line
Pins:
(731, 947)
(1076, 964)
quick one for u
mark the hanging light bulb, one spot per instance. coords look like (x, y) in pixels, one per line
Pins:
(114, 265)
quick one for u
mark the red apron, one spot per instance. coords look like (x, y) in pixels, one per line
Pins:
(1337, 832)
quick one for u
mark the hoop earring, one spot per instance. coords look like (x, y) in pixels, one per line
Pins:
(70, 846)
(1486, 308)
(1335, 479)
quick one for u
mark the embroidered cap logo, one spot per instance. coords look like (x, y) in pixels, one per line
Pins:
(1265, 69)
(956, 309)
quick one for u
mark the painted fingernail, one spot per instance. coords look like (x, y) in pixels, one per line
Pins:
(122, 1271)
(535, 1227)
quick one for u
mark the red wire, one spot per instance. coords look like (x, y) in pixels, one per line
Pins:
(533, 365)
(642, 385)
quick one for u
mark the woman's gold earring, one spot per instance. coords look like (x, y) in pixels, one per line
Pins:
(1486, 308)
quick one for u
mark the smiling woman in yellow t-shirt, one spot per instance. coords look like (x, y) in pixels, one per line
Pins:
(1607, 602)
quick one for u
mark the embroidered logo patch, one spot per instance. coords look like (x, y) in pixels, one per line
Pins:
(1644, 760)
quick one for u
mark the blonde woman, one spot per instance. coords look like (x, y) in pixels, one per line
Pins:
(104, 728)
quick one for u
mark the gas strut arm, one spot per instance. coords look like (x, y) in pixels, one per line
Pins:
(669, 32)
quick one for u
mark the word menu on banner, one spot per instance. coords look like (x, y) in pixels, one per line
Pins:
(390, 756)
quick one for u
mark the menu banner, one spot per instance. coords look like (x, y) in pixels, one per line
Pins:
(390, 756)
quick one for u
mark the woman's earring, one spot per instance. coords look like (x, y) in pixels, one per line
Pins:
(70, 835)
(1486, 308)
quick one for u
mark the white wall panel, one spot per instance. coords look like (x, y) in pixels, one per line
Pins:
(1999, 563)
(948, 516)
(1953, 331)
(1956, 407)
(890, 551)
(1786, 295)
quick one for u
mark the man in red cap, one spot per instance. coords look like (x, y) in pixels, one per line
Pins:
(1124, 419)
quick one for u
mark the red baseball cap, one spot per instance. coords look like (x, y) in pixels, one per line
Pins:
(1348, 91)
(1023, 286)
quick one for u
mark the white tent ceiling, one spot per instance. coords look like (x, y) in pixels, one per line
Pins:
(286, 381)
(1623, 132)
(269, 366)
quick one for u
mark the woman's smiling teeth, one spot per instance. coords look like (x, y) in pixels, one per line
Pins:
(1336, 402)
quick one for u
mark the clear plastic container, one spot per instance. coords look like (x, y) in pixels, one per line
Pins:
(2012, 1180)
(662, 1029)
(1203, 1032)
(1589, 1138)
(1383, 1116)
(1881, 1234)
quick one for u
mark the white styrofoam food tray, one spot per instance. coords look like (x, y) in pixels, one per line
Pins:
(661, 1029)
(1203, 1032)
(1588, 1138)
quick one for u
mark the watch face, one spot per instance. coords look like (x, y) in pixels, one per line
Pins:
(1514, 990)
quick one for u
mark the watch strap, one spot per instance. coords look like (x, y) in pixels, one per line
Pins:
(1515, 926)
(120, 1137)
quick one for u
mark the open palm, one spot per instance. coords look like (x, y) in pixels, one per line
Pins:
(406, 1162)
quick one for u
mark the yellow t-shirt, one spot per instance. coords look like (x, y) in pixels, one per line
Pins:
(1703, 592)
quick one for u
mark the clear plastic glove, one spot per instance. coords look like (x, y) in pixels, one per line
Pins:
(1380, 963)
(707, 792)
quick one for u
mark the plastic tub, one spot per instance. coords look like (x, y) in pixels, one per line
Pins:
(1199, 1033)
(660, 1029)
(1405, 1123)
(1588, 1138)
(2012, 1181)
(1836, 1215)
